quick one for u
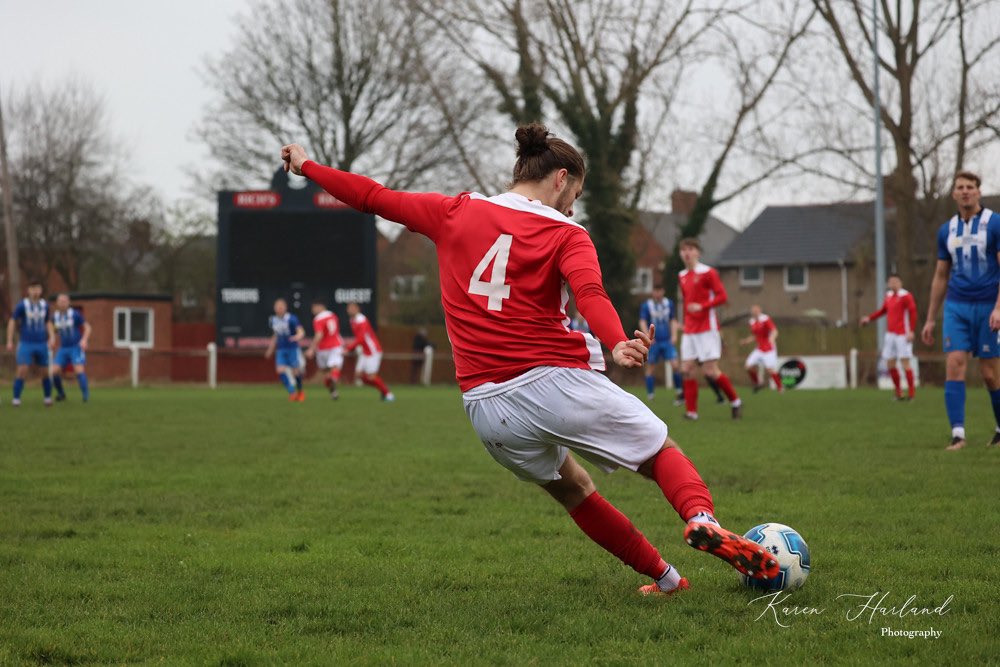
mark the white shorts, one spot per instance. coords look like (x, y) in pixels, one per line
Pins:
(895, 346)
(529, 424)
(704, 346)
(330, 358)
(758, 357)
(369, 363)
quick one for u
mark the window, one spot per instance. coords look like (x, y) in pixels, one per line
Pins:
(406, 288)
(642, 283)
(796, 278)
(751, 276)
(133, 326)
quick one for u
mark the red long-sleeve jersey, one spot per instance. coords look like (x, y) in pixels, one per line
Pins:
(701, 285)
(901, 311)
(504, 265)
(364, 335)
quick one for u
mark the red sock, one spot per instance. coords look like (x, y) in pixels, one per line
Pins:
(376, 381)
(777, 381)
(894, 374)
(691, 395)
(726, 386)
(909, 382)
(335, 374)
(604, 524)
(681, 484)
(753, 376)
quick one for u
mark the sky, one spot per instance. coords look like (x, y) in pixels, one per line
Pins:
(143, 56)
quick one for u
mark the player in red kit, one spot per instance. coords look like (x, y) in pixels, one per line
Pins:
(370, 355)
(764, 333)
(900, 310)
(702, 292)
(530, 384)
(327, 346)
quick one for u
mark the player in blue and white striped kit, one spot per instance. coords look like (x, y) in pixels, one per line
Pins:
(660, 311)
(74, 332)
(33, 322)
(968, 267)
(284, 345)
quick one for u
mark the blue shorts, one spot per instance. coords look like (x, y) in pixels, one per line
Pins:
(290, 357)
(70, 355)
(966, 328)
(32, 353)
(662, 351)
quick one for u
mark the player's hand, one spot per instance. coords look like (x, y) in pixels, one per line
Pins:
(267, 354)
(909, 336)
(995, 319)
(927, 333)
(83, 345)
(865, 320)
(10, 347)
(694, 308)
(310, 353)
(632, 353)
(293, 156)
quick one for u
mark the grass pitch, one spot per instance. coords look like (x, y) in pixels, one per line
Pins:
(228, 527)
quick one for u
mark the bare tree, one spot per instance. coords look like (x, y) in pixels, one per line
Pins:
(584, 66)
(941, 103)
(753, 47)
(336, 75)
(67, 195)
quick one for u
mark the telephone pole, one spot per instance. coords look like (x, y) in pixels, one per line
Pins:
(10, 232)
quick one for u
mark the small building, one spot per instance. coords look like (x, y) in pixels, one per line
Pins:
(123, 320)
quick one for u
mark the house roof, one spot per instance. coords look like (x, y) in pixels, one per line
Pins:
(665, 228)
(811, 234)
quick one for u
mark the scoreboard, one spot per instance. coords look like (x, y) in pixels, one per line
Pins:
(297, 243)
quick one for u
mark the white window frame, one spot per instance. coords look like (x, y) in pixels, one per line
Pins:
(127, 342)
(415, 282)
(751, 283)
(642, 281)
(805, 279)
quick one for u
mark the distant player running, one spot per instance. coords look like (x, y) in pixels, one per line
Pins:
(968, 267)
(901, 316)
(284, 346)
(32, 320)
(327, 346)
(74, 333)
(702, 292)
(529, 383)
(765, 334)
(659, 310)
(370, 352)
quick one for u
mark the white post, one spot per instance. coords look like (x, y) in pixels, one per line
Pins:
(853, 368)
(425, 375)
(668, 372)
(213, 365)
(134, 349)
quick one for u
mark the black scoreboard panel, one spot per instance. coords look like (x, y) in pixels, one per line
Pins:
(297, 244)
(275, 248)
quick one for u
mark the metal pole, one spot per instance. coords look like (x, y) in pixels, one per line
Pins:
(10, 232)
(879, 192)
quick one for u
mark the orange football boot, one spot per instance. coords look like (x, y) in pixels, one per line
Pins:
(745, 555)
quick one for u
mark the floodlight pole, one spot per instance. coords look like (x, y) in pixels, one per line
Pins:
(10, 233)
(879, 190)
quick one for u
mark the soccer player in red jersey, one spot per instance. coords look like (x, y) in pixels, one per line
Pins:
(530, 384)
(370, 356)
(763, 331)
(702, 292)
(900, 310)
(327, 346)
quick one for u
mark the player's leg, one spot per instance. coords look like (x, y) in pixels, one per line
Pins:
(60, 361)
(19, 375)
(285, 374)
(603, 523)
(957, 338)
(651, 361)
(751, 366)
(689, 368)
(369, 365)
(711, 368)
(890, 365)
(81, 378)
(675, 369)
(988, 348)
(41, 359)
(908, 372)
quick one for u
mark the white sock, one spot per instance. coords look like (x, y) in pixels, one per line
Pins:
(703, 517)
(959, 432)
(737, 403)
(670, 579)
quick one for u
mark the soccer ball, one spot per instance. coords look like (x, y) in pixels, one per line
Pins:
(791, 551)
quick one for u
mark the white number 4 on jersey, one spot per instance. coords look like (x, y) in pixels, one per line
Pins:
(495, 290)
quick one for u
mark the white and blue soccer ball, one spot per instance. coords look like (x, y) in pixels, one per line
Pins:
(789, 549)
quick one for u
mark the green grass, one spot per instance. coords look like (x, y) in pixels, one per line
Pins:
(184, 526)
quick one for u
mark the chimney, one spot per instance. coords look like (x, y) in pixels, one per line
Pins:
(682, 201)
